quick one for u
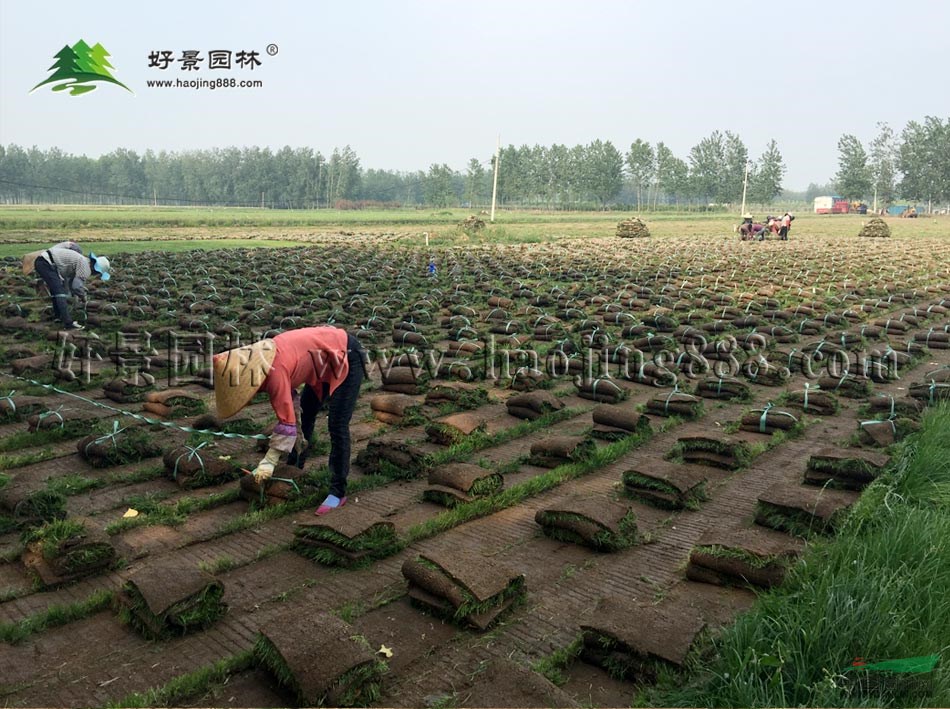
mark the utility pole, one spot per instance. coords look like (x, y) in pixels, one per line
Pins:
(745, 185)
(494, 187)
(262, 200)
(154, 197)
(875, 198)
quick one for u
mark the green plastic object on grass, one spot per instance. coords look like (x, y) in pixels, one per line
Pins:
(907, 665)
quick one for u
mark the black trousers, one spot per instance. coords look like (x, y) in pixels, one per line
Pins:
(57, 290)
(340, 409)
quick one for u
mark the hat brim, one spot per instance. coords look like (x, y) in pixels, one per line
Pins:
(239, 374)
(105, 274)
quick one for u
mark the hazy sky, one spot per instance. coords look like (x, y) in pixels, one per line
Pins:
(410, 83)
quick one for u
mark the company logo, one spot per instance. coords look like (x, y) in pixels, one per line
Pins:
(78, 68)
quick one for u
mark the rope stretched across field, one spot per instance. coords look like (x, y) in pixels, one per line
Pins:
(138, 417)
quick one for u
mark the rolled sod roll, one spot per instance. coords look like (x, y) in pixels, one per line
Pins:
(321, 662)
(160, 610)
(533, 405)
(613, 423)
(463, 586)
(461, 482)
(675, 404)
(595, 522)
(605, 391)
(768, 421)
(727, 388)
(812, 401)
(555, 451)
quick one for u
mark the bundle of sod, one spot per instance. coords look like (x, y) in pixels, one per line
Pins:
(650, 374)
(392, 408)
(803, 511)
(533, 405)
(634, 228)
(129, 390)
(455, 428)
(729, 453)
(276, 490)
(848, 469)
(396, 458)
(67, 423)
(164, 600)
(655, 343)
(244, 426)
(198, 467)
(595, 522)
(667, 486)
(849, 386)
(321, 662)
(349, 537)
(933, 339)
(676, 403)
(469, 589)
(503, 682)
(28, 505)
(747, 556)
(820, 403)
(127, 445)
(795, 360)
(403, 338)
(633, 642)
(28, 364)
(604, 391)
(404, 380)
(528, 379)
(461, 482)
(768, 374)
(174, 403)
(808, 327)
(612, 423)
(727, 388)
(555, 451)
(66, 550)
(930, 393)
(876, 228)
(884, 433)
(460, 395)
(887, 404)
(768, 421)
(16, 408)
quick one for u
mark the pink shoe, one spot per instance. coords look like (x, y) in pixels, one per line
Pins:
(331, 503)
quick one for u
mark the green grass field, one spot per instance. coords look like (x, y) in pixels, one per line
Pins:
(163, 227)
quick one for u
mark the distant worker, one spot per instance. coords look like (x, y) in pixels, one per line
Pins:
(64, 270)
(774, 225)
(430, 271)
(750, 229)
(784, 225)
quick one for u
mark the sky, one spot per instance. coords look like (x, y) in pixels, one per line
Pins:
(414, 82)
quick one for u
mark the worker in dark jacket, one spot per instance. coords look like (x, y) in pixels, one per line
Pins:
(64, 269)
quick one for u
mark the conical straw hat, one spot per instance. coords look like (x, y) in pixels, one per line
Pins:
(239, 373)
(29, 261)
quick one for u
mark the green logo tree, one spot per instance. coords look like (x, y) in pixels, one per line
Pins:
(77, 68)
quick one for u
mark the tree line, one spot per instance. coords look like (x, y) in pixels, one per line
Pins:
(595, 175)
(913, 166)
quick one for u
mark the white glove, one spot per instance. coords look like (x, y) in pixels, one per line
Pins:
(265, 469)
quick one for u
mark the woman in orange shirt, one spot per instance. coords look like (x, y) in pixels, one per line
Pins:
(328, 362)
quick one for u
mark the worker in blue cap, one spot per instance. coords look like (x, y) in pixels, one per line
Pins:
(64, 269)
